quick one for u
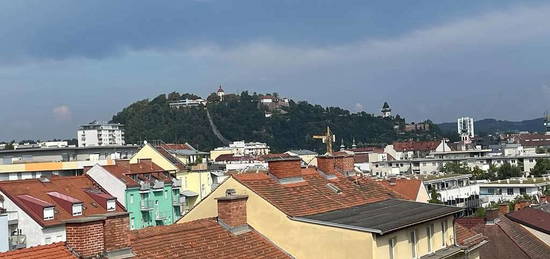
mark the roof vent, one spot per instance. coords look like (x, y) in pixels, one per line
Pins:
(44, 179)
(334, 188)
(230, 192)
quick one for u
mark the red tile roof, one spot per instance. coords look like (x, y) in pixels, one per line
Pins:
(51, 251)
(533, 218)
(533, 139)
(73, 186)
(467, 237)
(143, 170)
(416, 145)
(313, 195)
(367, 150)
(203, 238)
(409, 188)
(508, 239)
(231, 157)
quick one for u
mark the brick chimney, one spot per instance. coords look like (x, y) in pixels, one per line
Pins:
(344, 163)
(326, 164)
(285, 167)
(86, 236)
(122, 163)
(503, 208)
(99, 236)
(491, 215)
(232, 211)
(521, 204)
(543, 199)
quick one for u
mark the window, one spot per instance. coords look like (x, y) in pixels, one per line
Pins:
(429, 234)
(510, 191)
(491, 191)
(522, 191)
(48, 213)
(391, 246)
(443, 232)
(132, 222)
(412, 241)
(48, 240)
(132, 198)
(77, 209)
(111, 205)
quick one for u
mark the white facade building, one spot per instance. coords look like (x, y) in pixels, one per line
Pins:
(188, 103)
(466, 128)
(509, 189)
(100, 134)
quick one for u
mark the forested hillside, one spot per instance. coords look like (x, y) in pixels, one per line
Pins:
(492, 126)
(240, 117)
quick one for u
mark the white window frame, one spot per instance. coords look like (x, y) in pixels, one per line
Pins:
(111, 205)
(414, 247)
(77, 208)
(49, 213)
(391, 248)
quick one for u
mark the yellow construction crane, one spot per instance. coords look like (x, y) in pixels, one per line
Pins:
(328, 139)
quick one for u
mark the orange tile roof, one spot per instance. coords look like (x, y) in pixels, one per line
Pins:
(73, 186)
(51, 251)
(416, 145)
(313, 195)
(467, 237)
(185, 146)
(123, 172)
(409, 188)
(203, 238)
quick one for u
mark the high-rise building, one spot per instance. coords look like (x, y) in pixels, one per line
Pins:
(100, 134)
(466, 128)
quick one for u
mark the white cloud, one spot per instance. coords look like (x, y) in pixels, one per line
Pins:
(62, 112)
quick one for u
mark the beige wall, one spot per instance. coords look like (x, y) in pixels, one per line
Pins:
(403, 247)
(422, 195)
(216, 153)
(297, 238)
(148, 151)
(294, 237)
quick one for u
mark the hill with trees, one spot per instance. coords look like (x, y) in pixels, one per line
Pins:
(492, 126)
(242, 117)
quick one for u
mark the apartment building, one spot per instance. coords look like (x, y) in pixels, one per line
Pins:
(150, 194)
(323, 213)
(37, 209)
(507, 190)
(241, 148)
(98, 133)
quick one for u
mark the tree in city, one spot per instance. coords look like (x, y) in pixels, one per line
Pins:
(455, 168)
(435, 197)
(541, 167)
(506, 171)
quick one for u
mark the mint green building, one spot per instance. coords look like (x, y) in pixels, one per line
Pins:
(149, 193)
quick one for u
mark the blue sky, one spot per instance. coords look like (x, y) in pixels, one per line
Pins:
(64, 63)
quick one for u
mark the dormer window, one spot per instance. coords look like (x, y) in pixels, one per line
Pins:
(111, 205)
(77, 209)
(48, 213)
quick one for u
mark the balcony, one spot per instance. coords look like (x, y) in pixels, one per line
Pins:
(176, 183)
(144, 187)
(160, 215)
(18, 241)
(178, 200)
(146, 205)
(158, 185)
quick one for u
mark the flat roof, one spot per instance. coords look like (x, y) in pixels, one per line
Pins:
(381, 217)
(66, 148)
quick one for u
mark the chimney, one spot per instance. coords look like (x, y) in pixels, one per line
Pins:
(232, 212)
(503, 208)
(521, 205)
(326, 164)
(543, 199)
(85, 236)
(100, 236)
(344, 163)
(491, 215)
(285, 167)
(393, 181)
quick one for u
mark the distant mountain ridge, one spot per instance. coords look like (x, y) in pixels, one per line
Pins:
(492, 126)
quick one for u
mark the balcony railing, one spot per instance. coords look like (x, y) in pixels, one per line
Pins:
(147, 205)
(178, 200)
(144, 187)
(158, 186)
(160, 215)
(18, 241)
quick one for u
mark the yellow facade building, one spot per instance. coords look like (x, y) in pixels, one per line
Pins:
(324, 214)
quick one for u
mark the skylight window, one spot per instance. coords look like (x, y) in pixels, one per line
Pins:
(334, 188)
(77, 209)
(48, 213)
(111, 205)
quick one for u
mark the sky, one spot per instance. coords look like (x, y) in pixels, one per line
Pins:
(64, 63)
